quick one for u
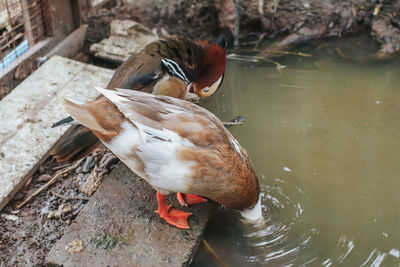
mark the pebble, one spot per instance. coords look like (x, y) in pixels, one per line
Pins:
(75, 246)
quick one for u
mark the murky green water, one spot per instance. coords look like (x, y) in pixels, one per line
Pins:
(324, 137)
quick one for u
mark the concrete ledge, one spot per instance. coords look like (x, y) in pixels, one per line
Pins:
(28, 112)
(18, 70)
(118, 227)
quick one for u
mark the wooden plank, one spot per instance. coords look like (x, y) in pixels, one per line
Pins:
(71, 45)
(28, 112)
(27, 22)
(118, 227)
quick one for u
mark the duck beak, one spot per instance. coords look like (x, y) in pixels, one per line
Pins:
(211, 89)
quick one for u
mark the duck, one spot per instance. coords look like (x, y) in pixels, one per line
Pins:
(171, 66)
(176, 146)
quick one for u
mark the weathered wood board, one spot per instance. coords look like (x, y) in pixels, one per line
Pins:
(27, 113)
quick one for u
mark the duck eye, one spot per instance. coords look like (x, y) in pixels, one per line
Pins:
(205, 90)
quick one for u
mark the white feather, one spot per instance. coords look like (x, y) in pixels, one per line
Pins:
(157, 149)
(163, 167)
(75, 101)
(236, 145)
(127, 138)
(124, 143)
(111, 95)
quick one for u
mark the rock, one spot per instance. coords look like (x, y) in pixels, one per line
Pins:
(75, 246)
(126, 37)
(388, 35)
(89, 164)
(60, 211)
(44, 178)
(10, 217)
(119, 228)
(91, 184)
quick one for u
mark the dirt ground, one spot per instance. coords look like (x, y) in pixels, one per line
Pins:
(282, 24)
(27, 234)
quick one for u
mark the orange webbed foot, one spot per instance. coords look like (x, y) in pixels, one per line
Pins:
(172, 216)
(175, 217)
(189, 199)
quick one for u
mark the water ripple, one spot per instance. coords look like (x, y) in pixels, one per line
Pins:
(277, 240)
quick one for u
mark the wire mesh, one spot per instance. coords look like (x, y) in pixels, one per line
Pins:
(21, 26)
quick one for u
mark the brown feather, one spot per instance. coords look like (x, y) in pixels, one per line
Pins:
(222, 175)
(100, 116)
(212, 66)
(77, 143)
(171, 86)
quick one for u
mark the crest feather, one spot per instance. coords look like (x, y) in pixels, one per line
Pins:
(212, 66)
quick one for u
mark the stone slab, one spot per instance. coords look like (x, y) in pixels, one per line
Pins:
(118, 227)
(27, 113)
(126, 37)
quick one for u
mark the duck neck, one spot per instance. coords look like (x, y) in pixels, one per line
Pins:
(171, 86)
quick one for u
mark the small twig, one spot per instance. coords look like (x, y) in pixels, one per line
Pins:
(269, 51)
(28, 182)
(214, 254)
(279, 67)
(248, 43)
(60, 167)
(235, 121)
(50, 182)
(232, 123)
(237, 23)
(259, 41)
(243, 58)
(107, 159)
(261, 7)
(69, 198)
(96, 153)
(276, 4)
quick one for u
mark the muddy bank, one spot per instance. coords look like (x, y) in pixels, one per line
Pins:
(283, 24)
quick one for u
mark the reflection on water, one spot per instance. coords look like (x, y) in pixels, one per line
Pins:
(324, 137)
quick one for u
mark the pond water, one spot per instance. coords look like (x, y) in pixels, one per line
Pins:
(324, 137)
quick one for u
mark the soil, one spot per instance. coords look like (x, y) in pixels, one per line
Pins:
(27, 234)
(283, 24)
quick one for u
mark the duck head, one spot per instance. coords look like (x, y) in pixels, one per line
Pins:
(205, 75)
(209, 74)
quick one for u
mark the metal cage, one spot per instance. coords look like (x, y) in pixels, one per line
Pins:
(21, 26)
